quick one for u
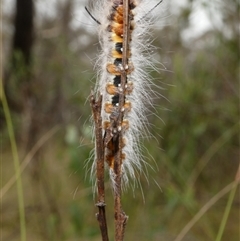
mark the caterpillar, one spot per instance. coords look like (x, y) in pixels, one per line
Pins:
(122, 80)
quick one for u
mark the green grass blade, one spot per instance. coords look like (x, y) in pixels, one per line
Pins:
(16, 165)
(226, 213)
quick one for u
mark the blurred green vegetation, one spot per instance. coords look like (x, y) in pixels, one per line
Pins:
(194, 150)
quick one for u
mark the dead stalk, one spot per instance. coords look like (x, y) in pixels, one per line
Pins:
(113, 137)
(120, 216)
(101, 216)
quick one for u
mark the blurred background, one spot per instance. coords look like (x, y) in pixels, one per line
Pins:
(48, 55)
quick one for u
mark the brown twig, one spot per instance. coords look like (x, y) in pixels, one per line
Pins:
(101, 216)
(113, 141)
(120, 216)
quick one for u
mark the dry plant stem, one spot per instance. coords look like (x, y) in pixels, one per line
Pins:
(206, 207)
(16, 164)
(101, 216)
(228, 207)
(120, 217)
(28, 158)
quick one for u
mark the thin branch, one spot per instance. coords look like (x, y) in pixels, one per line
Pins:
(101, 215)
(120, 216)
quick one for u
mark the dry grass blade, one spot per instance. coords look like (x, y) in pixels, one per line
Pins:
(213, 149)
(28, 158)
(207, 206)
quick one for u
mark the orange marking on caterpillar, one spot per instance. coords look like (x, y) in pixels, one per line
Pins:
(127, 106)
(117, 28)
(111, 89)
(129, 88)
(125, 126)
(110, 159)
(113, 69)
(108, 107)
(117, 70)
(116, 54)
(116, 39)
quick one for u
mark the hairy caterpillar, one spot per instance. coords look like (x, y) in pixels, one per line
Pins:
(123, 82)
